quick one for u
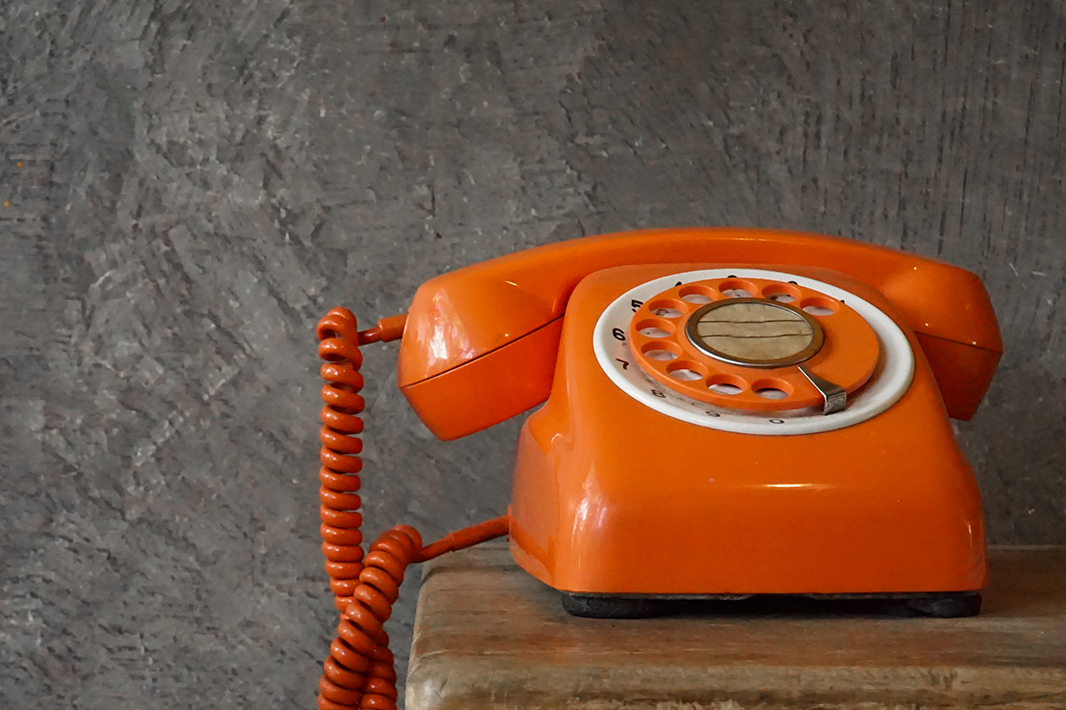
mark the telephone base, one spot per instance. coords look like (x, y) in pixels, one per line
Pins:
(941, 605)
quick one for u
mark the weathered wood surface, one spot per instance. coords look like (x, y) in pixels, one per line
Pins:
(489, 636)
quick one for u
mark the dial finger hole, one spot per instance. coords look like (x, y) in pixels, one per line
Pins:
(685, 375)
(737, 288)
(655, 328)
(772, 389)
(687, 371)
(661, 351)
(667, 308)
(781, 293)
(698, 295)
(725, 384)
(819, 306)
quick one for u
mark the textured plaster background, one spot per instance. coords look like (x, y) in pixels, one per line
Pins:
(186, 186)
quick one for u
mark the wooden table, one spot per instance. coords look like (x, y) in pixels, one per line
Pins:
(488, 635)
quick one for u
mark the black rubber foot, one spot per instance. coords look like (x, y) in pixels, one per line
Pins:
(946, 606)
(608, 607)
(943, 605)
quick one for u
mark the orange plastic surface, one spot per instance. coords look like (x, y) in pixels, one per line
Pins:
(605, 485)
(959, 370)
(459, 317)
(489, 389)
(847, 357)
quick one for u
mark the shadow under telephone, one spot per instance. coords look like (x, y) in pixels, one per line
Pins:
(731, 412)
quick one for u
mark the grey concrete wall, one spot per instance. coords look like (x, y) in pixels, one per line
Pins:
(187, 186)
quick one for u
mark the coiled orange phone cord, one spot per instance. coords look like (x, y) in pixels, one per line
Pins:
(359, 672)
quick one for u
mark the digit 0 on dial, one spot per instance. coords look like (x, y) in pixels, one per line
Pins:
(739, 343)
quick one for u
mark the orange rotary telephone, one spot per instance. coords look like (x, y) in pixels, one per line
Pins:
(728, 412)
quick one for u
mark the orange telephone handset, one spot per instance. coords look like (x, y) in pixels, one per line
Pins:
(728, 412)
